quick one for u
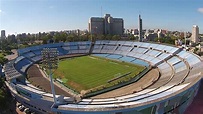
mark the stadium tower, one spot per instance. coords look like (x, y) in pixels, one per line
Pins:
(140, 28)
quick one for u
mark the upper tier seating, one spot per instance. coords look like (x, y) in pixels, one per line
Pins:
(22, 65)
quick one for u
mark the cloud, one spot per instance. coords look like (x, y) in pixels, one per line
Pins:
(200, 10)
(0, 11)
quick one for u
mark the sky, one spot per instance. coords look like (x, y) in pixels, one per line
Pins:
(33, 16)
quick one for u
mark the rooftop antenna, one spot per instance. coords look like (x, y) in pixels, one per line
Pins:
(140, 13)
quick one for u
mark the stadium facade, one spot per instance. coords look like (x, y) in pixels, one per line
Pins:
(180, 77)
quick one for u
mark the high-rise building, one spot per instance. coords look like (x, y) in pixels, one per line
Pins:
(11, 38)
(195, 34)
(3, 34)
(140, 29)
(106, 25)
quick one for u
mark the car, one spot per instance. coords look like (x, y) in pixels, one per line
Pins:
(19, 104)
(27, 111)
(21, 108)
(33, 113)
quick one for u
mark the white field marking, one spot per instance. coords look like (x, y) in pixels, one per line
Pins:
(92, 57)
(113, 62)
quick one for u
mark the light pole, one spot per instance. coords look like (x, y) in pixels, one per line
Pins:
(50, 61)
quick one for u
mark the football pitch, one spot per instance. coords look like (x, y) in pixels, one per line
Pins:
(86, 72)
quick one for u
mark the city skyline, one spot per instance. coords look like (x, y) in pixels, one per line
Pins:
(43, 16)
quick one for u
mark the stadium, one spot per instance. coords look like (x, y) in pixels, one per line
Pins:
(107, 77)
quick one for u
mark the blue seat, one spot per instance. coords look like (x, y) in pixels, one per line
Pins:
(127, 59)
(140, 62)
(22, 65)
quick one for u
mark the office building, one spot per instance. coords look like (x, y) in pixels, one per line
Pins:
(3, 34)
(195, 34)
(140, 29)
(11, 38)
(106, 25)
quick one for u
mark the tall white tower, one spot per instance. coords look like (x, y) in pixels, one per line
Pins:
(195, 34)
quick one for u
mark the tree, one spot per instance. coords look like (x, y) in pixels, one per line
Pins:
(108, 37)
(5, 98)
(92, 37)
(70, 37)
(195, 50)
(165, 40)
(100, 37)
(136, 38)
(46, 38)
(63, 37)
(131, 37)
(116, 37)
(3, 60)
(60, 37)
(83, 37)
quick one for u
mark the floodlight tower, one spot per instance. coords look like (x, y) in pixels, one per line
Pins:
(50, 61)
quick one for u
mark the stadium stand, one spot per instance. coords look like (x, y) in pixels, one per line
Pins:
(23, 65)
(180, 75)
(114, 56)
(36, 58)
(126, 59)
(29, 54)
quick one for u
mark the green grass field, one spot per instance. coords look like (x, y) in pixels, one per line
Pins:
(86, 72)
(1, 55)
